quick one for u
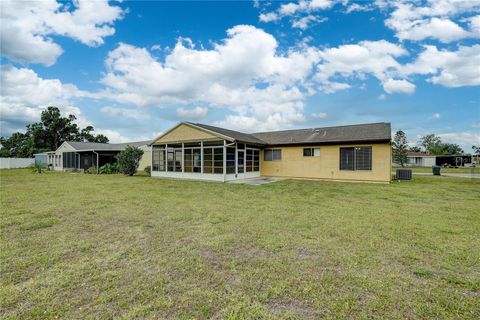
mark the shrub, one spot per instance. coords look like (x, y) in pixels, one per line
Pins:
(38, 168)
(109, 168)
(129, 159)
(91, 170)
(148, 170)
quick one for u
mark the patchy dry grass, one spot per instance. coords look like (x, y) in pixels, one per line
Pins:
(84, 246)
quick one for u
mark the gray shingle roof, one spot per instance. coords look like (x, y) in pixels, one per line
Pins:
(341, 134)
(79, 146)
(351, 133)
(239, 136)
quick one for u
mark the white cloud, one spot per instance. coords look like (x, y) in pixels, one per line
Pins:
(244, 73)
(465, 139)
(398, 86)
(28, 25)
(448, 68)
(302, 12)
(319, 115)
(433, 19)
(24, 95)
(358, 60)
(436, 116)
(329, 87)
(196, 113)
(269, 17)
(357, 7)
(114, 136)
(125, 113)
(382, 97)
(304, 22)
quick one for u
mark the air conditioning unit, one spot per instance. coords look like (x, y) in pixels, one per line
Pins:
(403, 174)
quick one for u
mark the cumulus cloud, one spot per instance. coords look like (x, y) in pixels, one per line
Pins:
(243, 73)
(375, 58)
(436, 116)
(27, 27)
(398, 86)
(419, 20)
(302, 12)
(196, 113)
(448, 68)
(124, 112)
(465, 139)
(24, 95)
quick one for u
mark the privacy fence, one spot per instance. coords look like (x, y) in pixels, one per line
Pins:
(11, 163)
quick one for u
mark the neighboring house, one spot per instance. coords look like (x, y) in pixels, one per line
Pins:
(423, 159)
(420, 159)
(198, 151)
(83, 155)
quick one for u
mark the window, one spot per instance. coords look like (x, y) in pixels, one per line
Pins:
(363, 158)
(311, 152)
(230, 160)
(158, 158)
(272, 155)
(356, 158)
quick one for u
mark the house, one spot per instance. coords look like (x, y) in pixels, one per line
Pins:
(424, 159)
(420, 159)
(82, 155)
(198, 151)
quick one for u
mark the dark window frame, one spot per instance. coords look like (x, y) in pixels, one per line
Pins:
(310, 152)
(276, 155)
(358, 158)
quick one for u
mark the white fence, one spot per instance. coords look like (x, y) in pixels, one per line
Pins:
(10, 163)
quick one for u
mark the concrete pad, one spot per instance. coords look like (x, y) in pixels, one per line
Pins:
(257, 181)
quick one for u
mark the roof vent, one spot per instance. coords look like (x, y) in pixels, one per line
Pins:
(316, 130)
(324, 133)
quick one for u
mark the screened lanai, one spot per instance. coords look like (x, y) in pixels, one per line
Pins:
(218, 160)
(197, 151)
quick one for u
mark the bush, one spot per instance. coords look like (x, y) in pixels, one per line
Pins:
(109, 168)
(129, 159)
(148, 170)
(91, 170)
(38, 168)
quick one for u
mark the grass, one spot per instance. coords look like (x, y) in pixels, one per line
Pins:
(442, 170)
(84, 246)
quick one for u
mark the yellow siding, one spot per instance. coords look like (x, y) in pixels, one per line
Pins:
(145, 161)
(327, 166)
(185, 133)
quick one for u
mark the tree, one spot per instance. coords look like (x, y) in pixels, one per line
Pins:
(129, 159)
(47, 135)
(415, 149)
(450, 149)
(434, 145)
(87, 136)
(476, 150)
(18, 145)
(430, 143)
(400, 148)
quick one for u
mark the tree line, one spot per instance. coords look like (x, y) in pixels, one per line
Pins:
(47, 135)
(431, 144)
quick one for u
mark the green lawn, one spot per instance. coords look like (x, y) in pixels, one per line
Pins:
(82, 246)
(444, 170)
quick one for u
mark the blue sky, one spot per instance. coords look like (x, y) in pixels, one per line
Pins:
(134, 69)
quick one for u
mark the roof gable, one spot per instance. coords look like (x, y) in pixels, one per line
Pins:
(185, 131)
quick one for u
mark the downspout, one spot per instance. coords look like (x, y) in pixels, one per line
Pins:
(97, 159)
